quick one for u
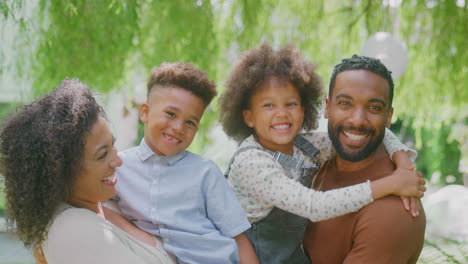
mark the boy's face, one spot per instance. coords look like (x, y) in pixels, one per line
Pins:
(276, 114)
(171, 117)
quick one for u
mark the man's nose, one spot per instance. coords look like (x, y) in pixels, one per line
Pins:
(358, 116)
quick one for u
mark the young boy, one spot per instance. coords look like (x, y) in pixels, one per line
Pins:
(172, 193)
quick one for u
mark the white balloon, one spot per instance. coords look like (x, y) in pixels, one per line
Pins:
(390, 50)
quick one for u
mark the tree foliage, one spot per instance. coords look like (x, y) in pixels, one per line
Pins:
(101, 42)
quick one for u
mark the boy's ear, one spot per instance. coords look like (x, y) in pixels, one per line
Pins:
(247, 115)
(144, 112)
(327, 106)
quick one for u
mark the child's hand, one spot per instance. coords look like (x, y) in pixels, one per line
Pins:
(412, 205)
(407, 182)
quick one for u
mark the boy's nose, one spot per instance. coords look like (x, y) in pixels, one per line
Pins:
(178, 126)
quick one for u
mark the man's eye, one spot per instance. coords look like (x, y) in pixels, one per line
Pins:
(375, 107)
(344, 103)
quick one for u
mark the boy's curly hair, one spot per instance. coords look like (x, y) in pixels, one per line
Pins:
(253, 68)
(185, 76)
(41, 149)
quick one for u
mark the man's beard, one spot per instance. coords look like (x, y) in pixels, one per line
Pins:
(354, 156)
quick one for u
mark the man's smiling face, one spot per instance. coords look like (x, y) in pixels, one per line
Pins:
(358, 112)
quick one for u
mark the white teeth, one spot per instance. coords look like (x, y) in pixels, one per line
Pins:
(281, 127)
(172, 139)
(354, 136)
(110, 178)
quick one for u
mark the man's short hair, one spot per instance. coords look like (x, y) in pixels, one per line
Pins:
(357, 62)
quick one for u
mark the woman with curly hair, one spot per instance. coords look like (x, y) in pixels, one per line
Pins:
(270, 97)
(58, 160)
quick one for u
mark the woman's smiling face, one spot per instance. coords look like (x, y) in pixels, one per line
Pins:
(96, 180)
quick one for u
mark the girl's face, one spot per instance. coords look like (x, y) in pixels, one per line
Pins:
(96, 181)
(276, 114)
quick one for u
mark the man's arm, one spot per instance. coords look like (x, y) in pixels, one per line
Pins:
(386, 233)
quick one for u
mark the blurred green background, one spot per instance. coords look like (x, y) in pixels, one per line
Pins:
(112, 45)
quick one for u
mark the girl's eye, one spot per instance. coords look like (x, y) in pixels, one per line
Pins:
(292, 104)
(268, 105)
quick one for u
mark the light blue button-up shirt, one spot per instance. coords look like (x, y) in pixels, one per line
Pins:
(185, 200)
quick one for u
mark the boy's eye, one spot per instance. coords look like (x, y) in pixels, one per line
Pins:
(190, 122)
(268, 105)
(292, 104)
(171, 114)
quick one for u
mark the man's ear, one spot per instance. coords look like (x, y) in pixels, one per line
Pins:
(247, 115)
(144, 112)
(389, 117)
(327, 106)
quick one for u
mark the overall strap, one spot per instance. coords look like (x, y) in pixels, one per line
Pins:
(283, 159)
(226, 174)
(306, 146)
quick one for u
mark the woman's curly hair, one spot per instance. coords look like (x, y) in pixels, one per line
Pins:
(253, 68)
(41, 148)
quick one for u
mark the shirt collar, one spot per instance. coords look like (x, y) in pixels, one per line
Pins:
(145, 152)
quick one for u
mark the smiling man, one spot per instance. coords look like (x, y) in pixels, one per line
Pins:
(359, 108)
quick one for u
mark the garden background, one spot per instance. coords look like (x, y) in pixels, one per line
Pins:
(111, 45)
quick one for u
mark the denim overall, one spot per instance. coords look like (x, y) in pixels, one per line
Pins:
(278, 237)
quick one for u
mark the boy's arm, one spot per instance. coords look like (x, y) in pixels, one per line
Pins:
(246, 252)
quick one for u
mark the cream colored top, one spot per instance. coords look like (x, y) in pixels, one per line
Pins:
(81, 236)
(261, 183)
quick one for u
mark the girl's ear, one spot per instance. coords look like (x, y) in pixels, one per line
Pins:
(247, 115)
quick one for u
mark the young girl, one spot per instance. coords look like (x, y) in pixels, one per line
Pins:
(270, 96)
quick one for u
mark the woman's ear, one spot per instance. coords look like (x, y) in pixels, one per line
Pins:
(247, 115)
